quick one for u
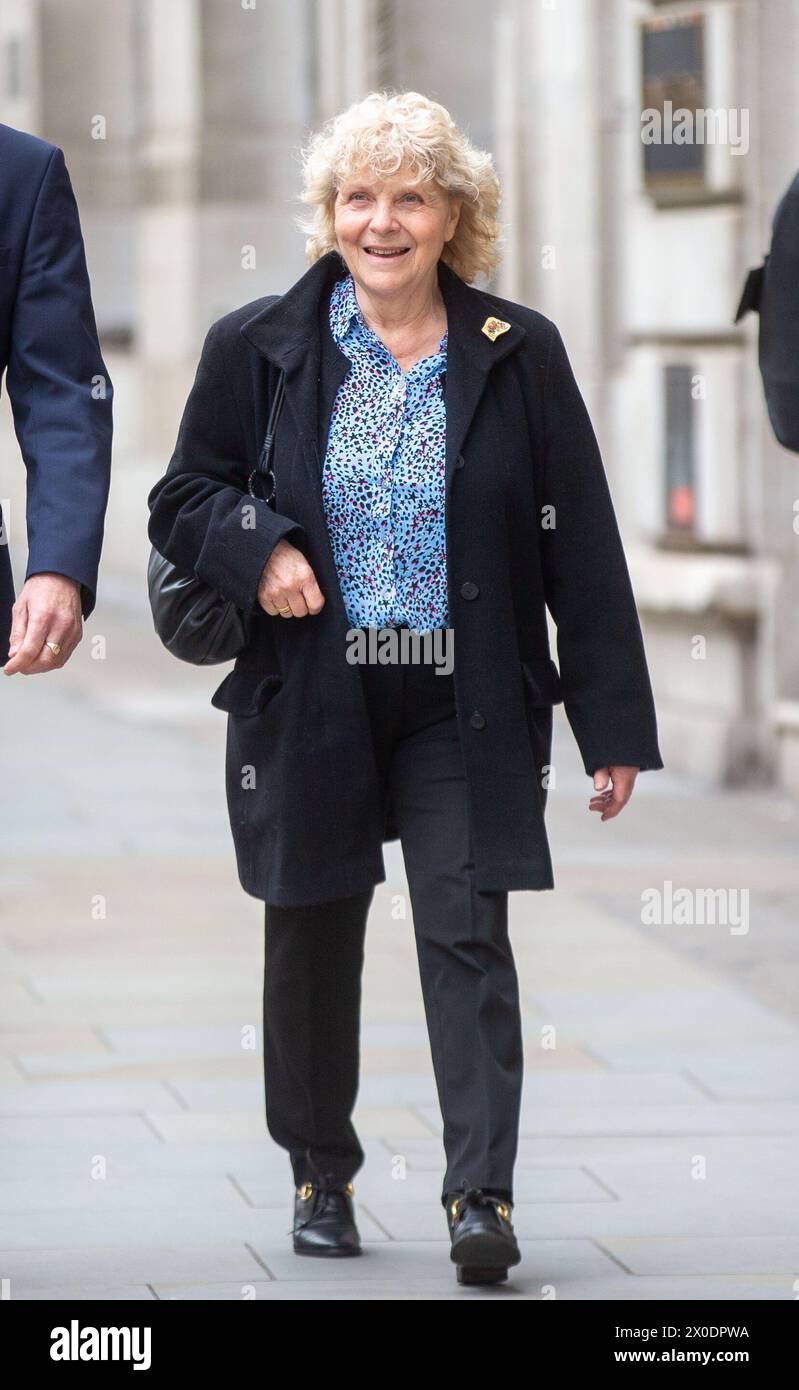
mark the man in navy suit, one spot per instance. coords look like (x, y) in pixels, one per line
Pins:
(61, 397)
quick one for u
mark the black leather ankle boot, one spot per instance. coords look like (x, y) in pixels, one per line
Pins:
(324, 1220)
(483, 1242)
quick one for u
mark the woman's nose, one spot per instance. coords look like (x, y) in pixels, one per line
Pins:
(383, 217)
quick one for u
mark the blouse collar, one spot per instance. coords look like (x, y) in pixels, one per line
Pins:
(344, 308)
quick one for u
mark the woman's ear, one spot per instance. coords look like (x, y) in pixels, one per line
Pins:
(455, 205)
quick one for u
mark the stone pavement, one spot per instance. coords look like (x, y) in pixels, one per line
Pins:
(660, 1129)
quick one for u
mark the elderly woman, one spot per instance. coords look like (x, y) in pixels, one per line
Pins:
(436, 474)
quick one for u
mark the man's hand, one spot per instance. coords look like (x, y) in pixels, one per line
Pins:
(288, 582)
(48, 610)
(612, 800)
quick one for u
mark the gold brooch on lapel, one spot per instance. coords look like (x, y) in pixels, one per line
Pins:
(493, 327)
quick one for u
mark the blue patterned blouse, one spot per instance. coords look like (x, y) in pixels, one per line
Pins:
(383, 478)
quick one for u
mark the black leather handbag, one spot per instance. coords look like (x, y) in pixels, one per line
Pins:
(192, 620)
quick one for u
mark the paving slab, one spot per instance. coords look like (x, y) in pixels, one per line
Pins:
(86, 1098)
(125, 1229)
(256, 1158)
(102, 1267)
(77, 1293)
(721, 1254)
(53, 1192)
(89, 1130)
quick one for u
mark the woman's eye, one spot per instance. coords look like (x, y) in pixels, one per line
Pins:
(354, 196)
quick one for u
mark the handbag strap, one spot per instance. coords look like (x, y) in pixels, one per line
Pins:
(264, 468)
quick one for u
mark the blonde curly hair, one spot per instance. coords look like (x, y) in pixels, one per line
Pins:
(384, 132)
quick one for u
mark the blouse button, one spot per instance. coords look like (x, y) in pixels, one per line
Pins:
(469, 590)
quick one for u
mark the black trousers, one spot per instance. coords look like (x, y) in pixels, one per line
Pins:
(314, 957)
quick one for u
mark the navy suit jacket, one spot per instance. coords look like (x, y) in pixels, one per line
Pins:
(60, 391)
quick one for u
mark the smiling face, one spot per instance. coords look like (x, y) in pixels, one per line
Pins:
(399, 214)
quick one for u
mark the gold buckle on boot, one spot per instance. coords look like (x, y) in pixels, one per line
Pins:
(501, 1208)
(307, 1188)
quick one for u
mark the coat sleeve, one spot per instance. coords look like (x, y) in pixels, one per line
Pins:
(60, 391)
(607, 694)
(202, 517)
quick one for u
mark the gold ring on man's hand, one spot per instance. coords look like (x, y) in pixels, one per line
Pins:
(55, 647)
(284, 610)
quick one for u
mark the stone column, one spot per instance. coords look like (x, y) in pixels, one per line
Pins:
(226, 103)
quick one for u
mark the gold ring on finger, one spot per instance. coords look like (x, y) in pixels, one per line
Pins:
(284, 610)
(55, 647)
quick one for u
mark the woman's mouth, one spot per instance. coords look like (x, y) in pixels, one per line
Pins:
(389, 254)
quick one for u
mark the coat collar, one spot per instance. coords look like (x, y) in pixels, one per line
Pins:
(291, 333)
(282, 331)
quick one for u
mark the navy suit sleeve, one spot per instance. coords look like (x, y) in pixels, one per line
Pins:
(60, 392)
(202, 518)
(607, 693)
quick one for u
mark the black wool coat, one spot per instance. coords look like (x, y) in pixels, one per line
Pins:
(529, 525)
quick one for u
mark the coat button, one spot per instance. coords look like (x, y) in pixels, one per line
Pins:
(477, 720)
(460, 460)
(469, 590)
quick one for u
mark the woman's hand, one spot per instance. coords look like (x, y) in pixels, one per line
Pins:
(613, 799)
(289, 583)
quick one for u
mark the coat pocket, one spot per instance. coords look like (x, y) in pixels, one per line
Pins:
(542, 681)
(246, 693)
